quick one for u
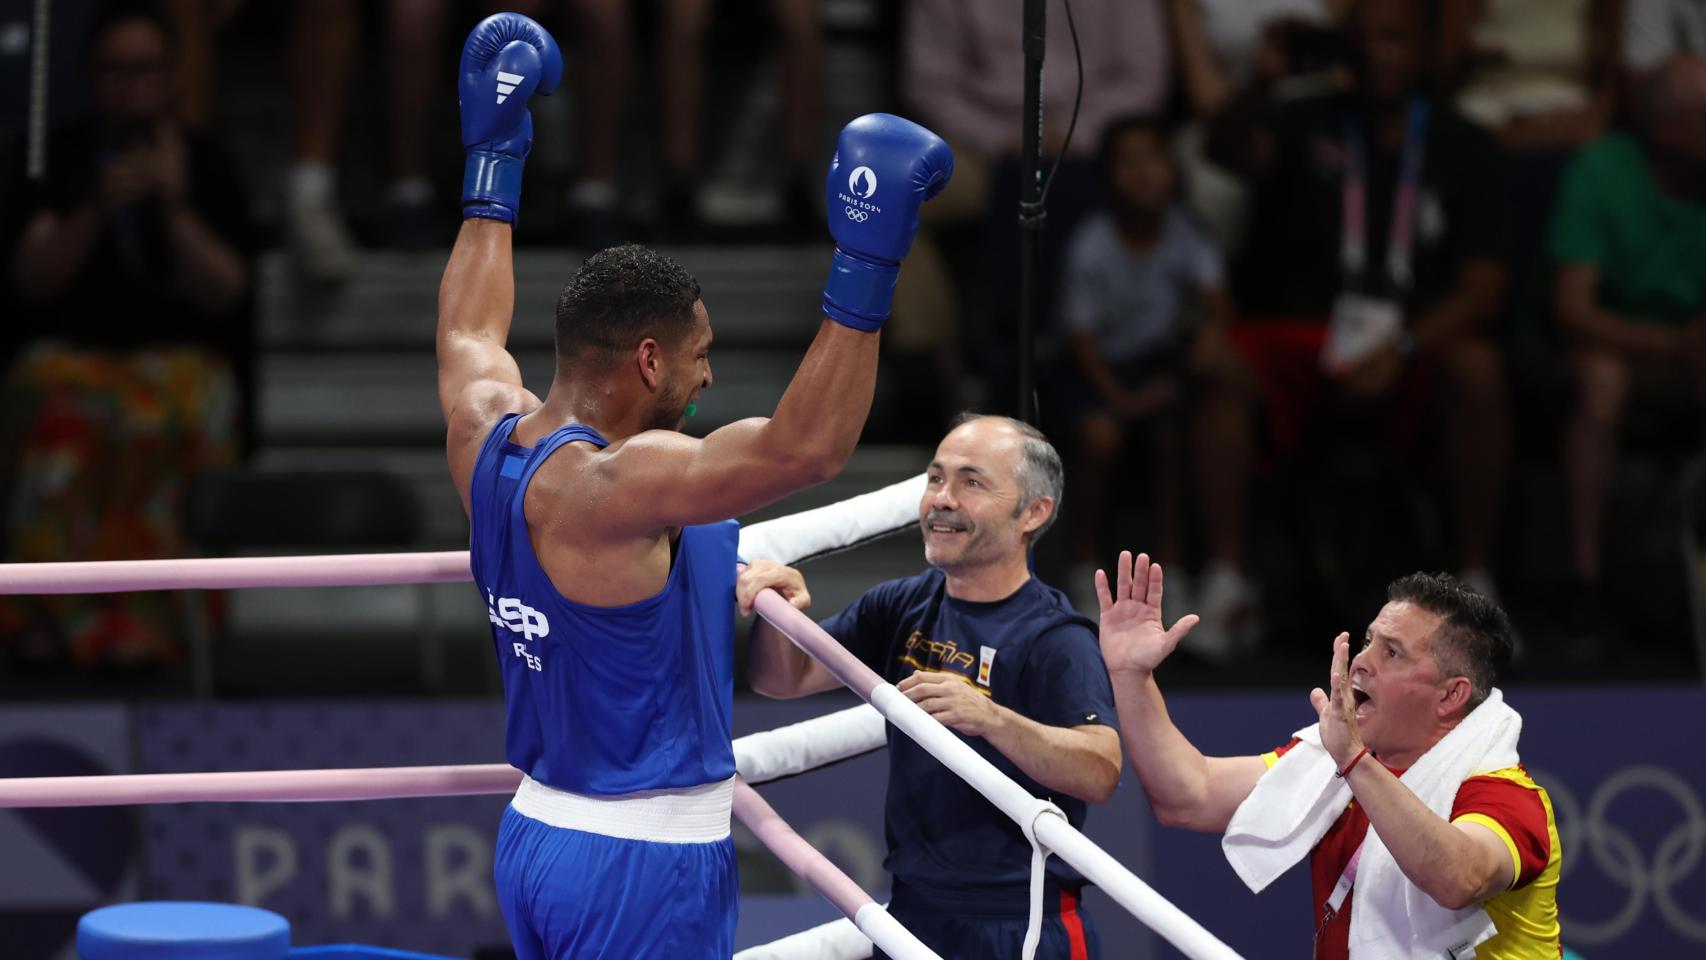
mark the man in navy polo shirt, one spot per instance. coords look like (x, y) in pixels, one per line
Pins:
(996, 655)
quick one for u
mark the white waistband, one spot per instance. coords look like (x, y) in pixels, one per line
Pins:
(688, 815)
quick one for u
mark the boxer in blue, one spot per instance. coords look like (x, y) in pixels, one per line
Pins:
(600, 536)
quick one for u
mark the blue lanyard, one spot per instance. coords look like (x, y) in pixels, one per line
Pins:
(1353, 249)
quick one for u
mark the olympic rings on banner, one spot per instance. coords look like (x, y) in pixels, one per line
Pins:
(1596, 839)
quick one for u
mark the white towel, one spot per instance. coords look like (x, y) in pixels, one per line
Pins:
(1295, 803)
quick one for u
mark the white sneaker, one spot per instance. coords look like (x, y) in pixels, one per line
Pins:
(319, 243)
(1227, 608)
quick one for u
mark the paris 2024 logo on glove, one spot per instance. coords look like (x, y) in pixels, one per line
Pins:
(861, 186)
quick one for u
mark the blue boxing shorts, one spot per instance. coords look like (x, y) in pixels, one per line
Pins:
(573, 881)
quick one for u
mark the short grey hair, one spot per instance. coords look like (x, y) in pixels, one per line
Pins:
(1040, 471)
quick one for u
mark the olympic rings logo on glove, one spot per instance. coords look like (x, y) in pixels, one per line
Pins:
(1592, 837)
(857, 216)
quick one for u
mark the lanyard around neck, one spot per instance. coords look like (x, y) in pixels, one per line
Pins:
(1353, 250)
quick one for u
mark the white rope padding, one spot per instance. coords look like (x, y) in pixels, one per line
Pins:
(809, 744)
(835, 940)
(880, 927)
(838, 526)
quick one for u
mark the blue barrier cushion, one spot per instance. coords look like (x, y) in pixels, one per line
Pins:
(182, 931)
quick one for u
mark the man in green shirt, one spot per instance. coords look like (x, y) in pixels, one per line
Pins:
(1630, 242)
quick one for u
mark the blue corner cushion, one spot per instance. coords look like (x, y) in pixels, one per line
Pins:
(182, 931)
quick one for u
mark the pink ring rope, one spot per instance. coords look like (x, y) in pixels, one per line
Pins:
(371, 783)
(265, 786)
(386, 783)
(235, 573)
(811, 638)
(449, 567)
(793, 850)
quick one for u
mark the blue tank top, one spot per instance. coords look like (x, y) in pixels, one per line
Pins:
(603, 700)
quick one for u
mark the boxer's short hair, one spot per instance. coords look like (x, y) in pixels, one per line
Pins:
(620, 296)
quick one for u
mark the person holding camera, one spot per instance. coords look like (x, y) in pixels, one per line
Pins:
(126, 350)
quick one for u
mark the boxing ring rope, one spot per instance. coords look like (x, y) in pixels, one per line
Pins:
(826, 878)
(236, 573)
(760, 758)
(764, 756)
(788, 539)
(260, 786)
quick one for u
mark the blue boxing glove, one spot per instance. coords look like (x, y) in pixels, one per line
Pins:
(884, 169)
(506, 59)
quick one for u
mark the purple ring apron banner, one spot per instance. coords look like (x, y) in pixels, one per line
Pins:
(1624, 766)
(56, 865)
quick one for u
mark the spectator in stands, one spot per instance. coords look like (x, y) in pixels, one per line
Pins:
(1630, 244)
(604, 57)
(1221, 45)
(325, 38)
(131, 271)
(1380, 208)
(1654, 31)
(1137, 273)
(1541, 76)
(963, 65)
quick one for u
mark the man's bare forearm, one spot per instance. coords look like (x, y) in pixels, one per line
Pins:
(823, 411)
(1079, 762)
(476, 297)
(778, 669)
(1174, 773)
(1441, 860)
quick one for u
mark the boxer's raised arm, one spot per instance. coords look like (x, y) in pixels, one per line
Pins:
(505, 60)
(884, 169)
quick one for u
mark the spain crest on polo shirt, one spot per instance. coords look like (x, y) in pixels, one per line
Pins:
(985, 660)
